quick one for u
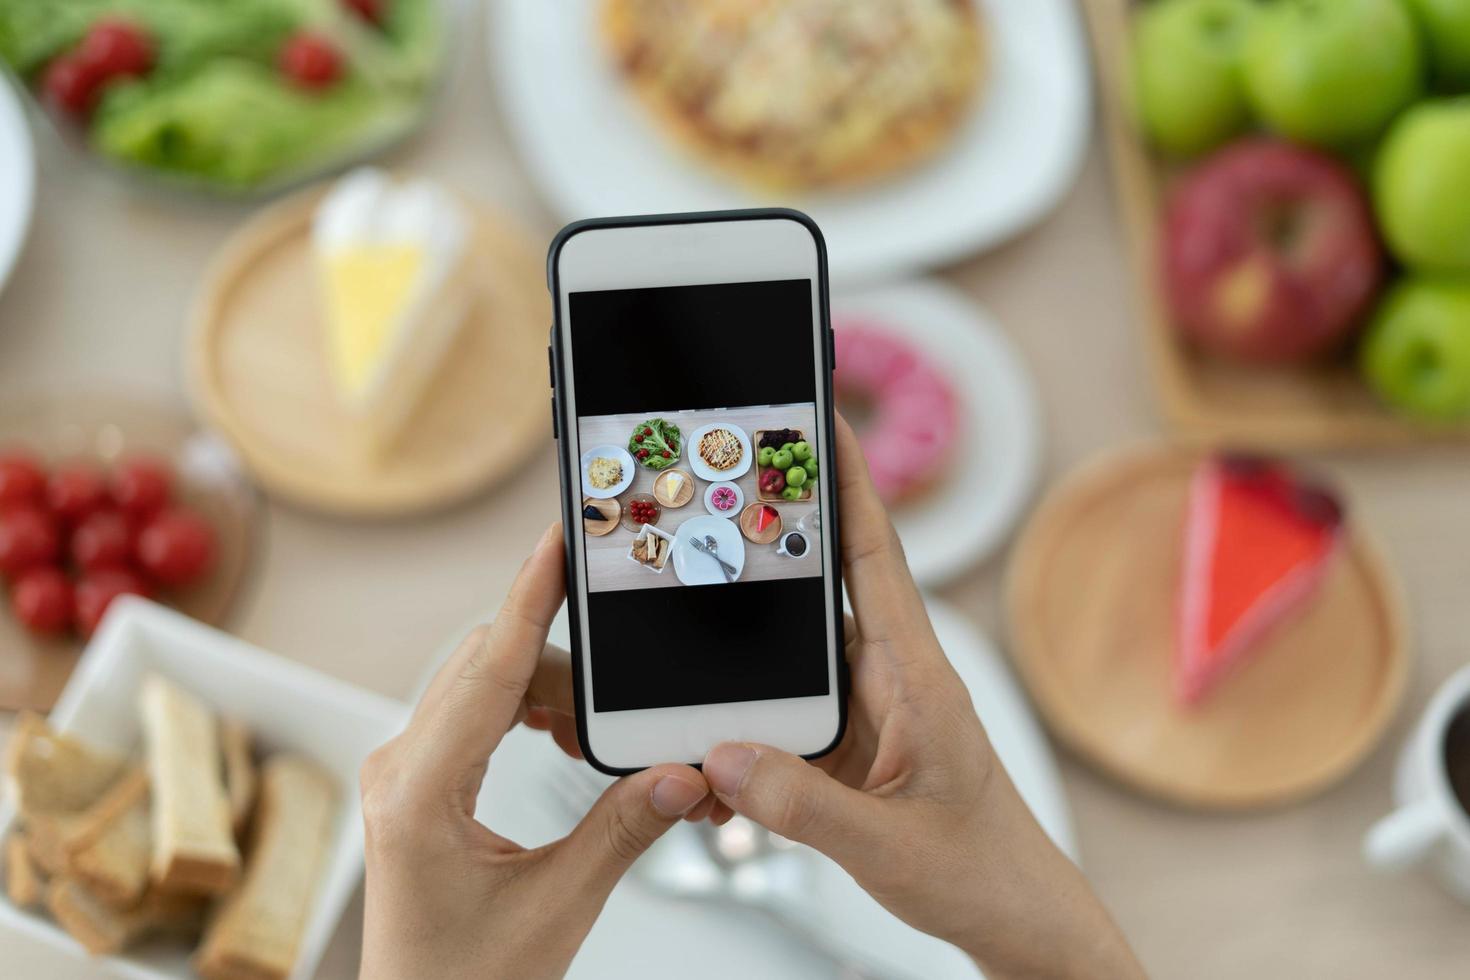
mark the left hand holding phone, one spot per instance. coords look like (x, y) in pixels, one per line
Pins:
(446, 896)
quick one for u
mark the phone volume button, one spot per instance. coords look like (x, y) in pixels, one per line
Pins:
(550, 368)
(555, 420)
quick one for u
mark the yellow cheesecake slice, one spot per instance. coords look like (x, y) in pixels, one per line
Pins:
(392, 263)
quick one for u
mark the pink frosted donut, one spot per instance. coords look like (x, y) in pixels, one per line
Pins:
(908, 417)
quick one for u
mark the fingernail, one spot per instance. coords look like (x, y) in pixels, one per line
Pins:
(674, 797)
(726, 765)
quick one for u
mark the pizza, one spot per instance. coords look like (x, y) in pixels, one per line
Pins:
(803, 93)
(720, 449)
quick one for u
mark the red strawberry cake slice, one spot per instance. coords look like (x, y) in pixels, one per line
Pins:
(1258, 542)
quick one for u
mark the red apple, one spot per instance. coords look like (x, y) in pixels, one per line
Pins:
(1269, 253)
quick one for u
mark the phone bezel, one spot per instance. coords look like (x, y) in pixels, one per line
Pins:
(809, 726)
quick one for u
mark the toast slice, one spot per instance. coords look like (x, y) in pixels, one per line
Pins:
(23, 882)
(258, 930)
(193, 842)
(109, 849)
(240, 778)
(103, 929)
(46, 836)
(50, 772)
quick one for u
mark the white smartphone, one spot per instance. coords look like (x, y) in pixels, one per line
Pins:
(691, 361)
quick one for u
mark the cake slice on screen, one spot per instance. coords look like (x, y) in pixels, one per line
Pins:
(392, 261)
(1258, 542)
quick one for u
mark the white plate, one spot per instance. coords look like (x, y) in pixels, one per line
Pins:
(287, 706)
(641, 936)
(622, 456)
(17, 176)
(694, 568)
(658, 533)
(595, 151)
(989, 482)
(707, 472)
(734, 511)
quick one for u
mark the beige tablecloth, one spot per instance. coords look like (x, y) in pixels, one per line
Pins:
(100, 298)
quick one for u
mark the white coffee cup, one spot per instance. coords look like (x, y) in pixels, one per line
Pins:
(1431, 824)
(800, 550)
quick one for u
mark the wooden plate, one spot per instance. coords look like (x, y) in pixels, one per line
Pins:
(747, 525)
(661, 486)
(1091, 605)
(1326, 405)
(610, 510)
(258, 372)
(105, 428)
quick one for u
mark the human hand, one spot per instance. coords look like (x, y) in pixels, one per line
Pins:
(447, 897)
(913, 803)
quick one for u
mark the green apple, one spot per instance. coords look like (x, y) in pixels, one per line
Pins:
(1188, 92)
(810, 465)
(795, 476)
(782, 459)
(1421, 186)
(801, 451)
(1417, 350)
(1332, 72)
(764, 456)
(1446, 25)
(791, 493)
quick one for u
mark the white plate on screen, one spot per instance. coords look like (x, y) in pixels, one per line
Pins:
(642, 936)
(594, 150)
(735, 508)
(706, 472)
(622, 455)
(984, 491)
(696, 568)
(17, 176)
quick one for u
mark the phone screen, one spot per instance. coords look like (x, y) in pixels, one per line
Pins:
(695, 384)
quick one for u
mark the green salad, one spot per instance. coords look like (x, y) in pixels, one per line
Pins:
(655, 443)
(232, 94)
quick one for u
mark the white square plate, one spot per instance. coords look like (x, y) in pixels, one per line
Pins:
(286, 705)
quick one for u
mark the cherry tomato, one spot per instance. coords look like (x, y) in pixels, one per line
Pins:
(42, 600)
(667, 454)
(75, 491)
(115, 47)
(310, 61)
(177, 547)
(642, 454)
(369, 10)
(72, 84)
(638, 437)
(103, 540)
(22, 481)
(28, 538)
(96, 590)
(142, 486)
(647, 431)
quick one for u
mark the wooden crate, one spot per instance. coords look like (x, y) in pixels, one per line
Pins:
(1204, 399)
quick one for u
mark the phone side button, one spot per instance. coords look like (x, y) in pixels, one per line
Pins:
(831, 349)
(555, 420)
(550, 368)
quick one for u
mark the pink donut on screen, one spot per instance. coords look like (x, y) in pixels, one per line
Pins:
(911, 413)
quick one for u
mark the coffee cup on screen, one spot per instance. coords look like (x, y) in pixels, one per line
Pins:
(1432, 790)
(793, 545)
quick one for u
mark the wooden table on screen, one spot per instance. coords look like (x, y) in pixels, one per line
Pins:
(608, 564)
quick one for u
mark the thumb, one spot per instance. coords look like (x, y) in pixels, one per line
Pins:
(789, 796)
(626, 820)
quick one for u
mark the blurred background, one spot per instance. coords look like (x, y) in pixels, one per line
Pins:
(1123, 236)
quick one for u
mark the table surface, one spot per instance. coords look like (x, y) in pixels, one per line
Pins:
(100, 299)
(608, 565)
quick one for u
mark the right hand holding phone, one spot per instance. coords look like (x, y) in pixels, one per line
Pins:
(914, 803)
